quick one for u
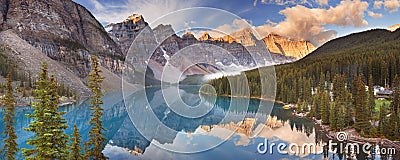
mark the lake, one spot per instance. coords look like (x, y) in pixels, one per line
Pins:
(140, 125)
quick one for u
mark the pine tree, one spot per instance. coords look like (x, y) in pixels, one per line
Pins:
(314, 106)
(371, 97)
(333, 116)
(57, 136)
(322, 81)
(393, 129)
(94, 147)
(360, 101)
(325, 108)
(10, 147)
(394, 132)
(348, 117)
(49, 141)
(36, 126)
(75, 147)
(395, 105)
(382, 116)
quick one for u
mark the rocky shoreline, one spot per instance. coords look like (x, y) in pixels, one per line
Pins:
(352, 135)
(251, 97)
(27, 101)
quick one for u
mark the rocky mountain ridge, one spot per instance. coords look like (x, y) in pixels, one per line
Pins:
(63, 30)
(161, 43)
(273, 42)
(282, 45)
(69, 34)
(63, 34)
(394, 27)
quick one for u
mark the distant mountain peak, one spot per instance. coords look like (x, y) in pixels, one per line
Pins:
(188, 35)
(205, 36)
(135, 18)
(283, 45)
(394, 27)
(275, 43)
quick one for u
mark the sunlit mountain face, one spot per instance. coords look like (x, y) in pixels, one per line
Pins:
(199, 79)
(279, 17)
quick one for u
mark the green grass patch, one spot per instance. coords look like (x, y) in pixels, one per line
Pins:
(379, 103)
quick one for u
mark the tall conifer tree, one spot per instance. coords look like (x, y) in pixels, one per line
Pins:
(97, 141)
(49, 141)
(10, 147)
(371, 96)
(360, 100)
(75, 147)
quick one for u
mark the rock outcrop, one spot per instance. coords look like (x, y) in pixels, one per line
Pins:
(63, 30)
(162, 45)
(29, 59)
(162, 51)
(244, 37)
(286, 47)
(273, 42)
(394, 27)
(124, 33)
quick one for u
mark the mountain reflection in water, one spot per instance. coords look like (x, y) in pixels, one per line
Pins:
(234, 130)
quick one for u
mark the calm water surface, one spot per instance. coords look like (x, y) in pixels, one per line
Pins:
(235, 130)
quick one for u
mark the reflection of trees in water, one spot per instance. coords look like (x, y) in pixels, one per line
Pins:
(123, 133)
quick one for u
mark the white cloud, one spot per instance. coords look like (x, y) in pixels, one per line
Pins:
(302, 23)
(284, 2)
(378, 4)
(150, 9)
(188, 25)
(255, 3)
(235, 26)
(226, 29)
(271, 22)
(97, 5)
(390, 5)
(374, 15)
(322, 2)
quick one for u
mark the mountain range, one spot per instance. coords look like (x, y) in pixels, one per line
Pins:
(68, 34)
(162, 43)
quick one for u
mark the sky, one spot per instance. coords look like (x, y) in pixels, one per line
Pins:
(316, 21)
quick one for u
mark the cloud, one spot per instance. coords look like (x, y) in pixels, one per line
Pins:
(374, 15)
(271, 22)
(284, 2)
(188, 25)
(97, 5)
(227, 29)
(378, 4)
(322, 2)
(302, 23)
(114, 11)
(390, 5)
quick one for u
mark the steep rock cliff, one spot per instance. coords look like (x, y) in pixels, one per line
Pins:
(63, 30)
(284, 46)
(274, 43)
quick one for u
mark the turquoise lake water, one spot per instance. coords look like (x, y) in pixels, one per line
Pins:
(146, 125)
